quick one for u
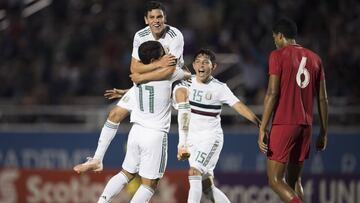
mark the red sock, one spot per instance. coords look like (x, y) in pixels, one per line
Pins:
(296, 200)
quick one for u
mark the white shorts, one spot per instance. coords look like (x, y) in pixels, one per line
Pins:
(128, 100)
(146, 152)
(205, 155)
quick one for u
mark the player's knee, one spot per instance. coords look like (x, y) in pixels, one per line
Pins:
(194, 172)
(274, 181)
(206, 185)
(150, 182)
(130, 176)
(293, 180)
(181, 95)
(117, 114)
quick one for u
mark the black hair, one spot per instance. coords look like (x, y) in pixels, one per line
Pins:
(285, 26)
(206, 52)
(149, 51)
(151, 5)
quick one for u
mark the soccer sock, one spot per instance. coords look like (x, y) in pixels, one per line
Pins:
(107, 134)
(195, 191)
(143, 194)
(113, 187)
(183, 121)
(216, 195)
(296, 200)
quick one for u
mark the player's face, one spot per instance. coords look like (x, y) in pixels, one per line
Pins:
(203, 68)
(278, 40)
(156, 20)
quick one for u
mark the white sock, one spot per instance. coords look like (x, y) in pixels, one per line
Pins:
(183, 121)
(113, 187)
(195, 191)
(107, 134)
(216, 195)
(142, 194)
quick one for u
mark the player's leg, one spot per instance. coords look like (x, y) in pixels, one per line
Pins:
(145, 191)
(213, 193)
(276, 178)
(293, 178)
(152, 154)
(183, 106)
(205, 155)
(108, 132)
(282, 141)
(297, 157)
(195, 181)
(130, 168)
(115, 185)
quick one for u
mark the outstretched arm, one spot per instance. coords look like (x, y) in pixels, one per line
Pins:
(271, 97)
(115, 93)
(245, 111)
(323, 114)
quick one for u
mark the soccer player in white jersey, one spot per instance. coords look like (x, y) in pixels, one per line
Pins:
(205, 136)
(172, 40)
(146, 152)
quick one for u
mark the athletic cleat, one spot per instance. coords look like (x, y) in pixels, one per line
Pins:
(90, 165)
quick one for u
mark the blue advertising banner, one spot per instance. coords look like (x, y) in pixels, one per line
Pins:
(321, 188)
(240, 152)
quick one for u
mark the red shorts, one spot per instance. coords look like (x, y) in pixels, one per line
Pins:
(289, 143)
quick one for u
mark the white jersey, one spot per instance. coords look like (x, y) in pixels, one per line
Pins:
(206, 102)
(172, 41)
(152, 103)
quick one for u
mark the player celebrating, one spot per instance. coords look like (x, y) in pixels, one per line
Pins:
(296, 78)
(146, 152)
(173, 42)
(205, 138)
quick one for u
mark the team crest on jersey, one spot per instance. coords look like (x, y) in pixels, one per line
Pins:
(208, 95)
(125, 99)
(166, 49)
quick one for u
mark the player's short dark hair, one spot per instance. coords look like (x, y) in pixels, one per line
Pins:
(285, 26)
(206, 52)
(150, 50)
(151, 5)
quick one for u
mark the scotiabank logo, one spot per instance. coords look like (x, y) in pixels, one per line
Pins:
(8, 192)
(57, 186)
(77, 189)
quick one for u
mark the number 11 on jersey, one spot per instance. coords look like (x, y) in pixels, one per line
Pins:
(148, 100)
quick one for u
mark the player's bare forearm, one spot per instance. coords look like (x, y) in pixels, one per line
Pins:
(269, 104)
(138, 67)
(165, 61)
(271, 97)
(323, 108)
(156, 75)
(246, 112)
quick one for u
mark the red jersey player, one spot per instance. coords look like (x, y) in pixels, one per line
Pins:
(296, 78)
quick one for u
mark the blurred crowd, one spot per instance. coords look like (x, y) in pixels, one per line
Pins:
(78, 48)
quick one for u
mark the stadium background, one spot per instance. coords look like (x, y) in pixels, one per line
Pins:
(58, 57)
